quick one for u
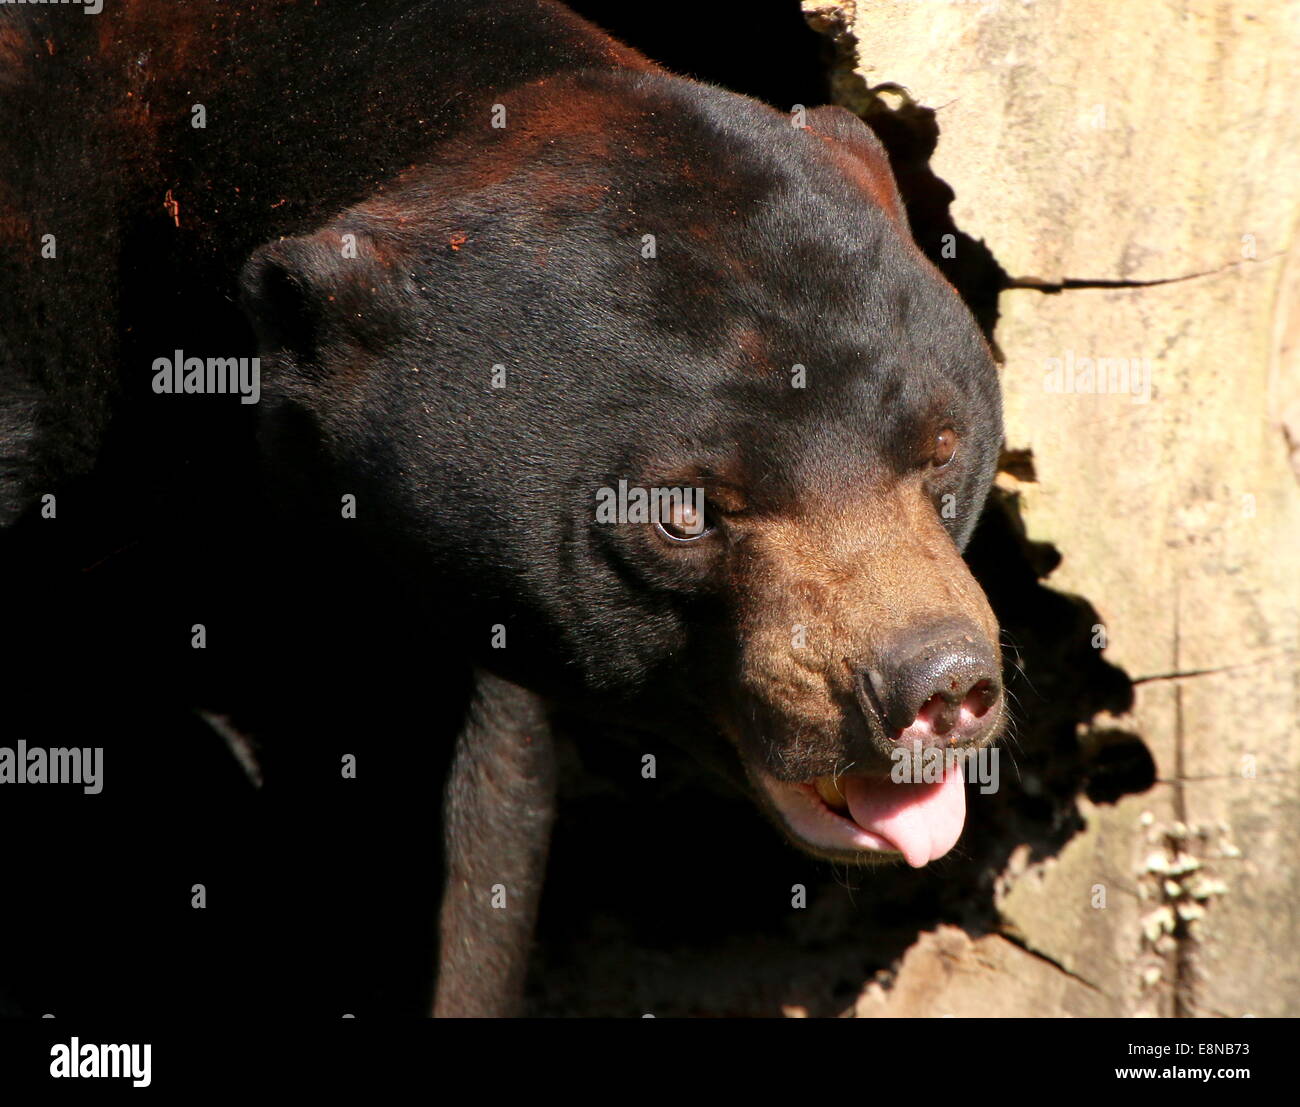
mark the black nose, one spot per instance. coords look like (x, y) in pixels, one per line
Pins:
(936, 684)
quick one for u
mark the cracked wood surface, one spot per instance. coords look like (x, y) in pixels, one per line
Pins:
(1137, 165)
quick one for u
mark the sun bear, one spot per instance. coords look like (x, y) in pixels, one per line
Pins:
(640, 386)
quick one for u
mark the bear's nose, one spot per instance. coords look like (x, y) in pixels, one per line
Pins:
(937, 685)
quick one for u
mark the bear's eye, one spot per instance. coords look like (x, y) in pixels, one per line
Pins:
(944, 447)
(683, 521)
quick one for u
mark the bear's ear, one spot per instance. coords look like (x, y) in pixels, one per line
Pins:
(284, 288)
(870, 164)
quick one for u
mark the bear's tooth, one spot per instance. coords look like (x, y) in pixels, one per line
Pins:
(830, 793)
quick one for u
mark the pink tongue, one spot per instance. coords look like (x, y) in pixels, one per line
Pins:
(921, 821)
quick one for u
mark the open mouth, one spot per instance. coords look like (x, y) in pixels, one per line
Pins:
(853, 815)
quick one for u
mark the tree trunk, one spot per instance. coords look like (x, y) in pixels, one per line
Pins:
(1133, 169)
